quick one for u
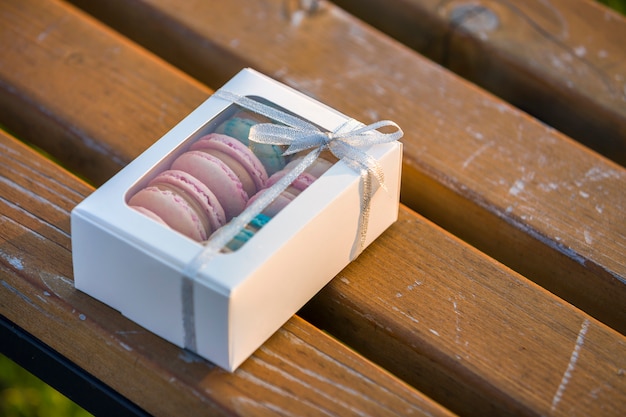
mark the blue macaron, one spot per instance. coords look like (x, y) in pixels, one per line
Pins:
(247, 232)
(271, 156)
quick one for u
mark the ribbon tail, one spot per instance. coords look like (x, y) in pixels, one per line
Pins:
(189, 324)
(366, 191)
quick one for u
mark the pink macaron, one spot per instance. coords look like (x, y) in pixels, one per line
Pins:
(218, 177)
(182, 202)
(277, 205)
(238, 157)
(300, 184)
(149, 214)
(317, 168)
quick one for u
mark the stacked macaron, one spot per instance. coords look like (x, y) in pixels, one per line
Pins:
(204, 188)
(230, 170)
(181, 201)
(217, 178)
(300, 184)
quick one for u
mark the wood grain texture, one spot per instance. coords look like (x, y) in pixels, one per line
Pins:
(298, 371)
(477, 336)
(468, 332)
(511, 186)
(563, 61)
(57, 81)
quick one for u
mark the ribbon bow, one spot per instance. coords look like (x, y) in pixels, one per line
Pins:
(346, 143)
(343, 143)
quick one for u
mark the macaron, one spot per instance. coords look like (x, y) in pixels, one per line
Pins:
(317, 168)
(239, 125)
(149, 214)
(271, 156)
(301, 183)
(238, 241)
(277, 204)
(238, 157)
(182, 202)
(217, 177)
(247, 232)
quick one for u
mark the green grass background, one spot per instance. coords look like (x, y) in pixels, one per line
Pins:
(24, 395)
(619, 5)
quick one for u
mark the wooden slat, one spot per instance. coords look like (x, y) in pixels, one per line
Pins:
(298, 371)
(516, 189)
(475, 335)
(34, 41)
(563, 61)
(470, 333)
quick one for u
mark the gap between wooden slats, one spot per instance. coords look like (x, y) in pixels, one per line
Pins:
(562, 61)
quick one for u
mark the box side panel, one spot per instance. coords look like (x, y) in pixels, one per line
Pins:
(127, 278)
(308, 261)
(212, 318)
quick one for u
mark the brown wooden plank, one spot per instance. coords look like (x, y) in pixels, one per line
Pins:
(516, 189)
(299, 370)
(563, 61)
(29, 278)
(470, 333)
(410, 295)
(40, 50)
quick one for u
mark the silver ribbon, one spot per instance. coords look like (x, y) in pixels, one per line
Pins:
(345, 143)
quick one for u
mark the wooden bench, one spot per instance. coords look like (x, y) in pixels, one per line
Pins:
(500, 290)
(562, 60)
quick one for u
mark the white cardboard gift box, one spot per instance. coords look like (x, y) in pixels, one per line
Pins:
(135, 265)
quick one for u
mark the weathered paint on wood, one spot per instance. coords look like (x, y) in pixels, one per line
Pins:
(419, 301)
(563, 61)
(518, 190)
